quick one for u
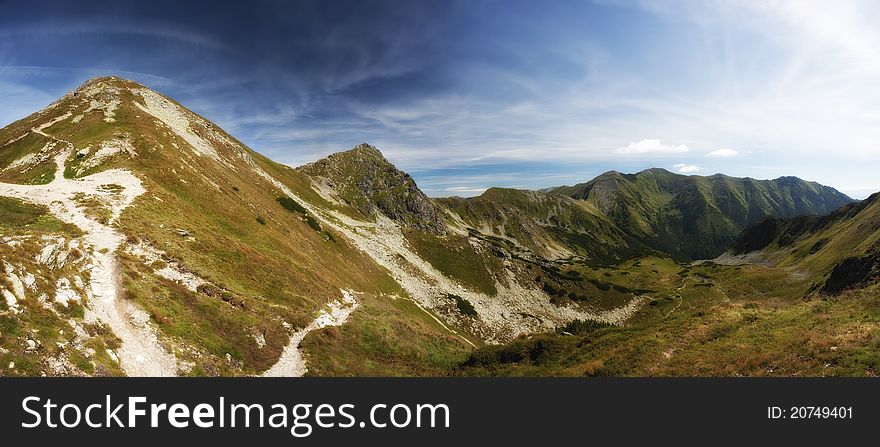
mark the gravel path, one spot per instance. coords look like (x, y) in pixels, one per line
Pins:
(141, 354)
(291, 363)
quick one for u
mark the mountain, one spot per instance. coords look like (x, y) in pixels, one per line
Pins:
(840, 250)
(139, 238)
(364, 179)
(696, 217)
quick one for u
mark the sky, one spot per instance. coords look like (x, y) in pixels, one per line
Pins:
(471, 94)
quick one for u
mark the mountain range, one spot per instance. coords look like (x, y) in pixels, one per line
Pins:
(139, 238)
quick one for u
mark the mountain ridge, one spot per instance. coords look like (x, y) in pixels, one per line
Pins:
(698, 216)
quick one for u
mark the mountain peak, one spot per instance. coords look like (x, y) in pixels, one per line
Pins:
(104, 80)
(362, 152)
(367, 149)
(367, 181)
(655, 171)
(100, 84)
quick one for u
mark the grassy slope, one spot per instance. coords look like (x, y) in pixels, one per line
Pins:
(455, 257)
(385, 337)
(816, 243)
(752, 320)
(544, 224)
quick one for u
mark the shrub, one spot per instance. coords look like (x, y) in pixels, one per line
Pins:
(261, 220)
(291, 205)
(464, 306)
(208, 289)
(578, 327)
(313, 223)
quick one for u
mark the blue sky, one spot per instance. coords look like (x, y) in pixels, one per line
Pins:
(471, 94)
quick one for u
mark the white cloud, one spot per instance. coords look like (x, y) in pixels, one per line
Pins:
(652, 146)
(723, 153)
(686, 168)
(466, 189)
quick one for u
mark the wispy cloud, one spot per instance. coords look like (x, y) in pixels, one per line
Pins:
(686, 168)
(465, 189)
(650, 147)
(723, 153)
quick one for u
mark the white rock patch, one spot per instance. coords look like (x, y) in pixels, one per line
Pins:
(172, 270)
(11, 301)
(56, 254)
(17, 284)
(178, 120)
(107, 149)
(64, 293)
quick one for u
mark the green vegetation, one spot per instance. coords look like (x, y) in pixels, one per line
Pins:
(752, 322)
(291, 205)
(456, 258)
(18, 217)
(695, 217)
(385, 337)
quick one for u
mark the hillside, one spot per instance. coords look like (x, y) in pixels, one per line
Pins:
(794, 297)
(841, 250)
(697, 217)
(545, 225)
(141, 239)
(147, 241)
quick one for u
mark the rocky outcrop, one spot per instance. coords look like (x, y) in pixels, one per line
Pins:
(365, 180)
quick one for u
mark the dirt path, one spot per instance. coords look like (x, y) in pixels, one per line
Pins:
(141, 354)
(291, 363)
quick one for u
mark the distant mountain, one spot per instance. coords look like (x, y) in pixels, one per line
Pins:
(841, 249)
(698, 217)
